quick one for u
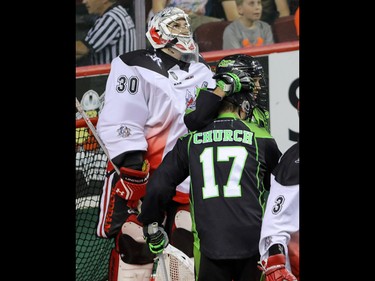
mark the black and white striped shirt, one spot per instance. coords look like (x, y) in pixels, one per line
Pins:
(112, 35)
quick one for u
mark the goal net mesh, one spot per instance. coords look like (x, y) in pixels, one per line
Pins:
(92, 252)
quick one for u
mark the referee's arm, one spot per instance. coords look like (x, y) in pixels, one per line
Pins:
(81, 49)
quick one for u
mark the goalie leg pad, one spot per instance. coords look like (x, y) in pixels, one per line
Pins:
(182, 218)
(131, 245)
(120, 271)
(113, 266)
(181, 235)
(134, 272)
(183, 240)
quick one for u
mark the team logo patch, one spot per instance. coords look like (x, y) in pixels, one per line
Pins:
(123, 131)
(268, 242)
(173, 75)
(155, 58)
(190, 100)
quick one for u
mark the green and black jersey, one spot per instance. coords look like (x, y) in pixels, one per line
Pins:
(229, 162)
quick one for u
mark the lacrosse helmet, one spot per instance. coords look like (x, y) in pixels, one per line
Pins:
(161, 32)
(245, 99)
(242, 62)
(251, 66)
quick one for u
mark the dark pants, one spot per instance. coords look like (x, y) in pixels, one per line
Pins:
(229, 270)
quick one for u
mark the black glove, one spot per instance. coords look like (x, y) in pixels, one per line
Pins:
(234, 81)
(156, 238)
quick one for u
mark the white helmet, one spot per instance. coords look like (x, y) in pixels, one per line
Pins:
(160, 36)
(90, 100)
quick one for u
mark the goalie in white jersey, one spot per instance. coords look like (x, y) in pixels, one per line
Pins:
(146, 95)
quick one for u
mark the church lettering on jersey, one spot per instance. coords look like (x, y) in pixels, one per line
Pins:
(223, 136)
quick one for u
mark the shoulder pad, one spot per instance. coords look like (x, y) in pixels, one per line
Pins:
(146, 59)
(287, 170)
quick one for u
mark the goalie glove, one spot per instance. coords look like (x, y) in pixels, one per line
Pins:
(132, 183)
(274, 269)
(234, 82)
(156, 238)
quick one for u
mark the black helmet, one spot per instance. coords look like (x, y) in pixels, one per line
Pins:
(251, 66)
(242, 62)
(244, 99)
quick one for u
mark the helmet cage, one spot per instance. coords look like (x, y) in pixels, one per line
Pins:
(161, 34)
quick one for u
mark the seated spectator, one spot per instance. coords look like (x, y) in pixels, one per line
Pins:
(194, 8)
(112, 34)
(273, 9)
(248, 30)
(222, 9)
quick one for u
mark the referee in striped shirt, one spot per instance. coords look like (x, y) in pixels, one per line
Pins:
(113, 32)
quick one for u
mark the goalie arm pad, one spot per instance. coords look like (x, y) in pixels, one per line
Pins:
(132, 183)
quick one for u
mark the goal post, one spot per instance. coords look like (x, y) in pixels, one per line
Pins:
(92, 252)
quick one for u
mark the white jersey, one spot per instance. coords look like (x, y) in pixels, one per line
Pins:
(281, 217)
(146, 97)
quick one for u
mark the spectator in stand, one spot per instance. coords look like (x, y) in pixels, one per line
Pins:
(248, 30)
(222, 9)
(227, 10)
(112, 34)
(194, 8)
(273, 9)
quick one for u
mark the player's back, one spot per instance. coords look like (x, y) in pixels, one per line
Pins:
(228, 160)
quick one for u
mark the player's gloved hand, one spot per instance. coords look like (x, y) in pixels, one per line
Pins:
(156, 238)
(234, 81)
(274, 269)
(132, 183)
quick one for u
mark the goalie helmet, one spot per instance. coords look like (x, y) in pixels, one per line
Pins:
(162, 33)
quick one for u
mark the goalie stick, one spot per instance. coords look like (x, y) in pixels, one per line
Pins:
(175, 264)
